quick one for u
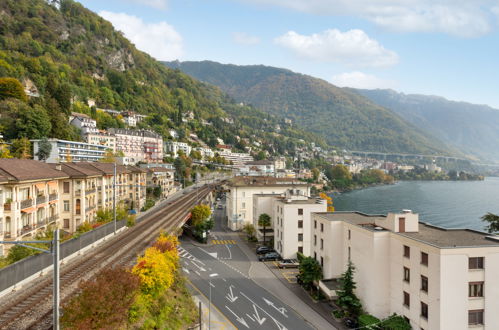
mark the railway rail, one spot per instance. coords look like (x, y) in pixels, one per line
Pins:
(31, 307)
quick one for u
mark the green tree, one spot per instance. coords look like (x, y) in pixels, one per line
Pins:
(44, 149)
(11, 87)
(346, 295)
(261, 155)
(108, 157)
(250, 231)
(309, 271)
(492, 221)
(264, 221)
(395, 322)
(21, 148)
(156, 192)
(315, 174)
(200, 213)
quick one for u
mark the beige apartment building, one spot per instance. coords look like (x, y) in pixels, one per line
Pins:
(437, 278)
(242, 188)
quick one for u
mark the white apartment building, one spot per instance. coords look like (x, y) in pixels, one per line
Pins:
(206, 152)
(437, 278)
(242, 188)
(103, 138)
(138, 145)
(83, 122)
(173, 148)
(237, 158)
(280, 163)
(257, 168)
(71, 151)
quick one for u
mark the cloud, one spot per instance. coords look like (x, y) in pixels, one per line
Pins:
(357, 79)
(159, 4)
(245, 39)
(160, 40)
(464, 18)
(353, 47)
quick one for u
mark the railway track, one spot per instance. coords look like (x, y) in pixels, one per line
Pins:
(31, 308)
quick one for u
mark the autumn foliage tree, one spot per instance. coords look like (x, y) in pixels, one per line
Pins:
(103, 302)
(200, 213)
(12, 88)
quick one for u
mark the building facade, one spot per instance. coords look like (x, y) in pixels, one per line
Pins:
(173, 147)
(138, 145)
(102, 138)
(437, 278)
(71, 151)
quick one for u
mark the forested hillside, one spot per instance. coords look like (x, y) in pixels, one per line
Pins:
(68, 55)
(343, 117)
(470, 127)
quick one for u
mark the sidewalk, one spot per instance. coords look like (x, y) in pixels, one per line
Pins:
(218, 320)
(265, 278)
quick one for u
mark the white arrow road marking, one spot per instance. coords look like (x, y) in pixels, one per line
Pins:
(249, 316)
(212, 285)
(213, 254)
(239, 319)
(230, 253)
(279, 324)
(197, 272)
(230, 296)
(186, 270)
(259, 319)
(281, 310)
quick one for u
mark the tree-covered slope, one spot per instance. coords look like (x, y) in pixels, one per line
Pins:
(472, 128)
(343, 117)
(70, 55)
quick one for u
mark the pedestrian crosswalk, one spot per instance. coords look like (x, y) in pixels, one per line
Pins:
(223, 241)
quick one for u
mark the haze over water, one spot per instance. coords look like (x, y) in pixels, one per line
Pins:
(449, 204)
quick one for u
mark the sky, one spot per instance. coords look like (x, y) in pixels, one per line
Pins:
(448, 48)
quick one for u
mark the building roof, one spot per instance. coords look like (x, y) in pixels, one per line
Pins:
(259, 162)
(75, 170)
(264, 181)
(429, 234)
(14, 169)
(300, 201)
(158, 169)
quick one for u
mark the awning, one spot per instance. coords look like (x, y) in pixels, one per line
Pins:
(54, 201)
(40, 186)
(41, 205)
(53, 184)
(29, 209)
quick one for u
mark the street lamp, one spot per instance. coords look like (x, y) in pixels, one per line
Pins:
(209, 308)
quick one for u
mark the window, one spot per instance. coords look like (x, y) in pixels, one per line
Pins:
(315, 239)
(475, 317)
(300, 249)
(407, 299)
(322, 227)
(424, 283)
(315, 255)
(407, 251)
(475, 289)
(300, 237)
(66, 206)
(424, 310)
(300, 211)
(66, 223)
(243, 205)
(475, 263)
(300, 223)
(424, 258)
(66, 187)
(315, 224)
(322, 262)
(349, 234)
(349, 253)
(244, 194)
(322, 244)
(407, 274)
(78, 206)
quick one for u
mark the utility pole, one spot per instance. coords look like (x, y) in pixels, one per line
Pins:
(54, 250)
(114, 198)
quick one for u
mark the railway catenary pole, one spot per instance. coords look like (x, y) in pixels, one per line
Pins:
(114, 199)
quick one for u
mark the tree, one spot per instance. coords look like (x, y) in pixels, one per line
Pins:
(250, 231)
(156, 192)
(310, 270)
(44, 149)
(329, 201)
(264, 221)
(315, 174)
(346, 296)
(492, 221)
(4, 150)
(108, 157)
(200, 213)
(21, 148)
(260, 155)
(11, 87)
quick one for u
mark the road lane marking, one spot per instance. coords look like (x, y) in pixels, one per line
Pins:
(239, 319)
(259, 319)
(212, 285)
(197, 273)
(230, 296)
(186, 270)
(279, 324)
(281, 310)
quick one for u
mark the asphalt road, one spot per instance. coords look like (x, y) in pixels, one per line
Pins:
(242, 301)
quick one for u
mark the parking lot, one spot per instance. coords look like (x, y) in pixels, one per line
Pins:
(287, 273)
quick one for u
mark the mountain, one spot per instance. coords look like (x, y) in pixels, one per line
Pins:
(68, 55)
(342, 116)
(472, 128)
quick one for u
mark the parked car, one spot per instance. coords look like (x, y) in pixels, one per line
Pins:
(269, 256)
(288, 263)
(263, 250)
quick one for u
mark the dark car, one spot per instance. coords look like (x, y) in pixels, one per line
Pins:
(351, 323)
(263, 250)
(269, 256)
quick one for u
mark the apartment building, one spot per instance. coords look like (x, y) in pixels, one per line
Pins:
(242, 188)
(257, 168)
(161, 177)
(29, 198)
(173, 147)
(237, 158)
(206, 152)
(102, 138)
(71, 151)
(437, 278)
(83, 122)
(138, 145)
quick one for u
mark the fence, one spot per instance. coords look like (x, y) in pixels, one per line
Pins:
(23, 269)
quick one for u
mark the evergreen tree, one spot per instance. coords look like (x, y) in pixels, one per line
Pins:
(492, 221)
(346, 295)
(264, 221)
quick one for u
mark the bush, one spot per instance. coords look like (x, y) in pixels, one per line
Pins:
(339, 314)
(149, 203)
(368, 321)
(395, 322)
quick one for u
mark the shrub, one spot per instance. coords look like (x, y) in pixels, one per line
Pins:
(103, 302)
(395, 322)
(368, 321)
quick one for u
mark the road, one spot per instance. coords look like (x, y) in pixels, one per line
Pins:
(242, 301)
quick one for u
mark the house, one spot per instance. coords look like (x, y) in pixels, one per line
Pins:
(173, 148)
(83, 122)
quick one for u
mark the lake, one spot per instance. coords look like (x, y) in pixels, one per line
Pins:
(449, 204)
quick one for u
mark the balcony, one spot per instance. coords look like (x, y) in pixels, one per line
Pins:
(78, 192)
(53, 218)
(41, 200)
(26, 203)
(7, 206)
(90, 191)
(53, 197)
(90, 208)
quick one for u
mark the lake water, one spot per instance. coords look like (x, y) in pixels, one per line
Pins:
(449, 204)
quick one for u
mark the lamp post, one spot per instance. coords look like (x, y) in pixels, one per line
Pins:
(209, 308)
